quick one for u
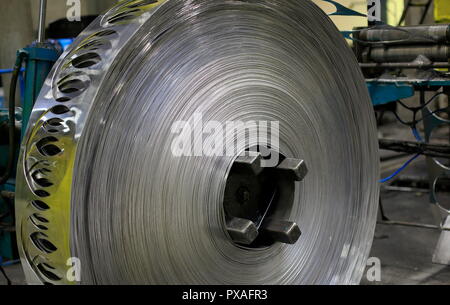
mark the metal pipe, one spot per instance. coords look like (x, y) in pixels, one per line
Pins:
(407, 35)
(412, 224)
(435, 53)
(407, 65)
(41, 28)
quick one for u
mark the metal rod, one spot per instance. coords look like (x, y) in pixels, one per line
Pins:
(404, 189)
(41, 28)
(412, 224)
(410, 54)
(411, 65)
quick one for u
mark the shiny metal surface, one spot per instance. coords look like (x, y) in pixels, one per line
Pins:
(41, 26)
(97, 180)
(43, 209)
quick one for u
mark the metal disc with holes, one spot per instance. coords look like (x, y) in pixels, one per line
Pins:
(101, 190)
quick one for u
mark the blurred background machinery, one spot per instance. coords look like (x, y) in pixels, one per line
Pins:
(407, 67)
(404, 55)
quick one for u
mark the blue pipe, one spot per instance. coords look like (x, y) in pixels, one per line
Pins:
(8, 263)
(6, 71)
(400, 169)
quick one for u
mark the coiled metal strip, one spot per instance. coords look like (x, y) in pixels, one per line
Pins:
(134, 213)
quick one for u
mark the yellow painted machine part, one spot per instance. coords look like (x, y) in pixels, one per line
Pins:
(346, 23)
(442, 11)
(394, 11)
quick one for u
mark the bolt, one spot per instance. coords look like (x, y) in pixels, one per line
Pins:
(286, 232)
(295, 167)
(250, 161)
(242, 231)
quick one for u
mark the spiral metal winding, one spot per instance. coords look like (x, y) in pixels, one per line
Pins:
(97, 179)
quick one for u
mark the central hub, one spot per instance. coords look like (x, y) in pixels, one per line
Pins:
(258, 200)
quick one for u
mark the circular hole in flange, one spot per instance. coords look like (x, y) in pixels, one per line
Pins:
(59, 109)
(41, 242)
(40, 218)
(63, 99)
(47, 147)
(104, 33)
(42, 182)
(71, 86)
(141, 3)
(40, 205)
(55, 122)
(121, 18)
(92, 44)
(53, 125)
(37, 224)
(86, 60)
(41, 193)
(124, 16)
(43, 269)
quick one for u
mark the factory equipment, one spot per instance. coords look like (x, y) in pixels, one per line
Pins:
(398, 62)
(100, 190)
(34, 61)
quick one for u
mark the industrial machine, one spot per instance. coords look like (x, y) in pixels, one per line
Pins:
(105, 194)
(121, 179)
(31, 68)
(398, 62)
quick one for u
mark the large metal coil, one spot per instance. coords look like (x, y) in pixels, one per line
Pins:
(97, 180)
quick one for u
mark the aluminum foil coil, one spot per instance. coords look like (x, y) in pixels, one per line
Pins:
(99, 189)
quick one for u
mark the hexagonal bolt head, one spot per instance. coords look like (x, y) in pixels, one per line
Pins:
(286, 232)
(242, 231)
(295, 167)
(251, 161)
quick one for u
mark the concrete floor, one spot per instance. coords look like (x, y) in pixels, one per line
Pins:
(15, 274)
(406, 252)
